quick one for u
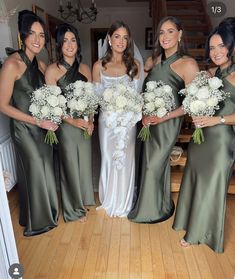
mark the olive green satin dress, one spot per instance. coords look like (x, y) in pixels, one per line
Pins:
(202, 199)
(36, 179)
(74, 159)
(153, 199)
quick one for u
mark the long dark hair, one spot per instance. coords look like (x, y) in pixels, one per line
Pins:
(25, 21)
(229, 24)
(128, 55)
(59, 37)
(227, 37)
(158, 49)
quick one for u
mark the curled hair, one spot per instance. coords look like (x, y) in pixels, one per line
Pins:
(128, 54)
(25, 21)
(59, 37)
(158, 49)
(227, 38)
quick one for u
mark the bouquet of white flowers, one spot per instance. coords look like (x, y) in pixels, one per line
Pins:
(158, 101)
(122, 106)
(202, 97)
(48, 103)
(82, 101)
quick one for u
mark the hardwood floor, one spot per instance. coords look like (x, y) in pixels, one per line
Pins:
(106, 247)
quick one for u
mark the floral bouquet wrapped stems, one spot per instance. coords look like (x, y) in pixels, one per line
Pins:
(48, 103)
(158, 101)
(122, 106)
(202, 97)
(82, 101)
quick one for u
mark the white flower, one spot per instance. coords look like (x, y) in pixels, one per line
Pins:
(89, 86)
(53, 101)
(33, 108)
(203, 93)
(150, 107)
(167, 88)
(120, 144)
(149, 96)
(57, 111)
(121, 102)
(45, 110)
(150, 85)
(215, 83)
(78, 85)
(121, 87)
(108, 94)
(62, 100)
(80, 105)
(55, 89)
(212, 102)
(192, 89)
(159, 102)
(161, 112)
(38, 94)
(197, 106)
(72, 104)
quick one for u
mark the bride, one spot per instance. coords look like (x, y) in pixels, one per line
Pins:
(116, 186)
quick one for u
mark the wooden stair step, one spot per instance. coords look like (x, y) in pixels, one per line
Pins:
(184, 5)
(196, 27)
(196, 39)
(191, 16)
(196, 52)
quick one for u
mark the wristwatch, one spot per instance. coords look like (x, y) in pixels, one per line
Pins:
(222, 119)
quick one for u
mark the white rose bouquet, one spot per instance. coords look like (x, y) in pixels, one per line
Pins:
(48, 103)
(202, 97)
(158, 101)
(122, 106)
(82, 101)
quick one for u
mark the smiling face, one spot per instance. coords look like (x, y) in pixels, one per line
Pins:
(70, 45)
(35, 40)
(219, 52)
(119, 40)
(169, 36)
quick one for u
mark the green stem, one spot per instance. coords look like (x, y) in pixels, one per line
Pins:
(198, 136)
(51, 138)
(144, 134)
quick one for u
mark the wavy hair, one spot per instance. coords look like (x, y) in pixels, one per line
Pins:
(128, 54)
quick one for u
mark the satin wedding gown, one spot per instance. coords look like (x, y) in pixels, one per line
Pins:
(116, 186)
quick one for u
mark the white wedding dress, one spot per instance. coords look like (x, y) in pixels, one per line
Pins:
(116, 186)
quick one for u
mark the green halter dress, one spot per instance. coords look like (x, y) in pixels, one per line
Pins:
(74, 159)
(36, 179)
(153, 203)
(202, 199)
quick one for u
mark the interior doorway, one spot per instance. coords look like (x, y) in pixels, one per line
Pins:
(96, 35)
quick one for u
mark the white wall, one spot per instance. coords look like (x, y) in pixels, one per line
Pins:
(137, 18)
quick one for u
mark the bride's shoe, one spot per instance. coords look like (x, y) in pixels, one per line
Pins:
(184, 243)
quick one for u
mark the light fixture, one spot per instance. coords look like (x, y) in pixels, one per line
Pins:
(71, 14)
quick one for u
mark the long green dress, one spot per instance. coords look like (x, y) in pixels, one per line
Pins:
(153, 203)
(36, 179)
(74, 159)
(202, 199)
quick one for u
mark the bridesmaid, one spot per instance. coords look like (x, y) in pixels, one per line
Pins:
(74, 149)
(202, 200)
(169, 64)
(20, 75)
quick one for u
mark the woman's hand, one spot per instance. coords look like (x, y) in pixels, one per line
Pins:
(152, 120)
(204, 121)
(47, 125)
(90, 128)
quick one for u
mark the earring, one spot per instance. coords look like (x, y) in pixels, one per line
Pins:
(110, 43)
(179, 40)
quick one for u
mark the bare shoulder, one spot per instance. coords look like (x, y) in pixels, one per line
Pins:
(231, 78)
(148, 64)
(85, 70)
(14, 66)
(189, 62)
(52, 68)
(97, 65)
